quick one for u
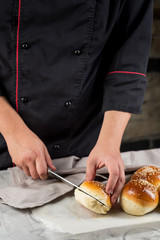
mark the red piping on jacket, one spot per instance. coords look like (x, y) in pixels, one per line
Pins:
(127, 72)
(17, 48)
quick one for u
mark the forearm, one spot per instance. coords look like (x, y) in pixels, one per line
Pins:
(113, 127)
(106, 152)
(27, 151)
(10, 121)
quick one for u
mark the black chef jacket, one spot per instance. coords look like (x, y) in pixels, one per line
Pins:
(63, 63)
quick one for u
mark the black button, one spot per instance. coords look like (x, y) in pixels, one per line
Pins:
(56, 146)
(24, 99)
(25, 45)
(68, 104)
(77, 52)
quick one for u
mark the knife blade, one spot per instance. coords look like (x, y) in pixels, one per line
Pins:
(53, 174)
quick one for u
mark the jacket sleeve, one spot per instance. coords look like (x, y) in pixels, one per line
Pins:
(128, 49)
(1, 94)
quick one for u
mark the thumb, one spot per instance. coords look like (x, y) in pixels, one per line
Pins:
(90, 170)
(49, 161)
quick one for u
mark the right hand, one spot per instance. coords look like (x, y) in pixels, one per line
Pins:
(29, 153)
(109, 157)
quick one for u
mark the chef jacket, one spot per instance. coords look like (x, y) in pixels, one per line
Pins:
(64, 63)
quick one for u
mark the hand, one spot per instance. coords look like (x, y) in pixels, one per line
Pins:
(102, 156)
(29, 153)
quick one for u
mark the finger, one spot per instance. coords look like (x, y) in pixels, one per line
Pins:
(119, 186)
(100, 165)
(41, 166)
(90, 170)
(33, 170)
(113, 178)
(26, 171)
(49, 160)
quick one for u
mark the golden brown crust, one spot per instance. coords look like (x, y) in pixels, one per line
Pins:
(141, 191)
(139, 197)
(95, 186)
(148, 173)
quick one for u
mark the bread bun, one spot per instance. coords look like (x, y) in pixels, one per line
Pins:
(150, 174)
(139, 197)
(97, 190)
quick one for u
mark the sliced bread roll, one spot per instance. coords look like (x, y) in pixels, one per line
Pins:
(97, 190)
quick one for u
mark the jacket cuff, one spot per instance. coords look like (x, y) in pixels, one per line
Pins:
(124, 92)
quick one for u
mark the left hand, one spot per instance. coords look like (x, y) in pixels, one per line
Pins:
(105, 156)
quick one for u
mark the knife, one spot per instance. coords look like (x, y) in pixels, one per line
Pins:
(53, 174)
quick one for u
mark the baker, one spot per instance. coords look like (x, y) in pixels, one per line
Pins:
(71, 75)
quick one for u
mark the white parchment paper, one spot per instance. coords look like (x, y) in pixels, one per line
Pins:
(67, 215)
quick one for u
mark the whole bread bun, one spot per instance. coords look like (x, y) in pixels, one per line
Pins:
(150, 174)
(139, 197)
(97, 190)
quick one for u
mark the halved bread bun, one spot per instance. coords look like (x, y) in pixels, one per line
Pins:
(96, 189)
